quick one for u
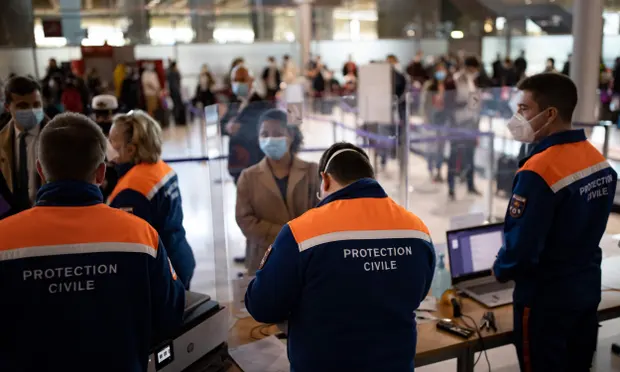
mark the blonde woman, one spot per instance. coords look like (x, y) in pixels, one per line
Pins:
(148, 187)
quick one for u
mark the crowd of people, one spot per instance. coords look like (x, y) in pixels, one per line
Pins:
(322, 239)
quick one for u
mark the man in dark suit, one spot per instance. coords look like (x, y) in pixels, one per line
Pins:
(399, 90)
(6, 199)
(272, 78)
(18, 141)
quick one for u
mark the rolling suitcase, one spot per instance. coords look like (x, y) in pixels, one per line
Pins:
(507, 167)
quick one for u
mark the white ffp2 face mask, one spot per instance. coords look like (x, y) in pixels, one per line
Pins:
(521, 128)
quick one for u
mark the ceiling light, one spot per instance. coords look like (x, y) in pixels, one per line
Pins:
(488, 27)
(456, 34)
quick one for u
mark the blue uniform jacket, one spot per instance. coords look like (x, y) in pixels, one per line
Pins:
(347, 276)
(562, 197)
(83, 287)
(151, 192)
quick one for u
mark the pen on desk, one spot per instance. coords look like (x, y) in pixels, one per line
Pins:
(422, 317)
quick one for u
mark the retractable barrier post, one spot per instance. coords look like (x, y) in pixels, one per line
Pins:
(203, 134)
(356, 118)
(405, 145)
(219, 230)
(607, 125)
(190, 127)
(490, 175)
(203, 124)
(342, 112)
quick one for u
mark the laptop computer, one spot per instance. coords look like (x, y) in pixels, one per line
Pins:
(472, 252)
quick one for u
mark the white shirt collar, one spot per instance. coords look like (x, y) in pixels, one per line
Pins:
(34, 131)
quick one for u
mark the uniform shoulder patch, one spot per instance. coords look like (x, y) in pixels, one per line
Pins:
(517, 206)
(265, 257)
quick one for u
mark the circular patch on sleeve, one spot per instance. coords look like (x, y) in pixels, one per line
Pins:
(517, 206)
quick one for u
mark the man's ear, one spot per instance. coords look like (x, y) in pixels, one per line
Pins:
(553, 113)
(40, 172)
(100, 174)
(325, 181)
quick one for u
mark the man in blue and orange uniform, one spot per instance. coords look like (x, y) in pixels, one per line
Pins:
(348, 275)
(91, 287)
(562, 197)
(148, 187)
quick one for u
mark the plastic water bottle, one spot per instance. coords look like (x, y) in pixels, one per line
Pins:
(441, 279)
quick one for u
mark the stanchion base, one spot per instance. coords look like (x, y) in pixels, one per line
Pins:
(426, 188)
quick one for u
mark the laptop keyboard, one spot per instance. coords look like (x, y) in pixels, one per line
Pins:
(490, 287)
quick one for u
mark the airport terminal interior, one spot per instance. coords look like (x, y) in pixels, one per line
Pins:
(359, 71)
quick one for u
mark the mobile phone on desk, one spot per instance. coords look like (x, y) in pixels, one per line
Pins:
(449, 326)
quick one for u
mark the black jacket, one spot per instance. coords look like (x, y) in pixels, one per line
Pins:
(400, 83)
(6, 199)
(278, 78)
(244, 150)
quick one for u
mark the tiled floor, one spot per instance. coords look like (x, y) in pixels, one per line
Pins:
(209, 199)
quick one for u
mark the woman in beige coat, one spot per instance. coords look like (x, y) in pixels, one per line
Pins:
(280, 188)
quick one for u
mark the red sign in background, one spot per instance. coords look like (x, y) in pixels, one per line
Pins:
(52, 28)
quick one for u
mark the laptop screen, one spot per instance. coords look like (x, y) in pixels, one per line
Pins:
(473, 250)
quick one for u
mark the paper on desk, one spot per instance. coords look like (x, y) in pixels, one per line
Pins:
(422, 317)
(266, 355)
(611, 272)
(429, 304)
(240, 286)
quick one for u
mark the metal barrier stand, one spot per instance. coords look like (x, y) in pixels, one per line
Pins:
(405, 148)
(491, 174)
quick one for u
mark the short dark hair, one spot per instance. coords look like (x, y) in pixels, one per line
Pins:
(552, 90)
(282, 118)
(552, 60)
(347, 167)
(472, 61)
(21, 86)
(71, 147)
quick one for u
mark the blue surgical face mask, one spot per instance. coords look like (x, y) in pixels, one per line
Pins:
(29, 118)
(241, 89)
(274, 147)
(440, 75)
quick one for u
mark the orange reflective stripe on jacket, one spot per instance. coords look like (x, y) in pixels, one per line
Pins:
(564, 164)
(47, 231)
(357, 219)
(144, 178)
